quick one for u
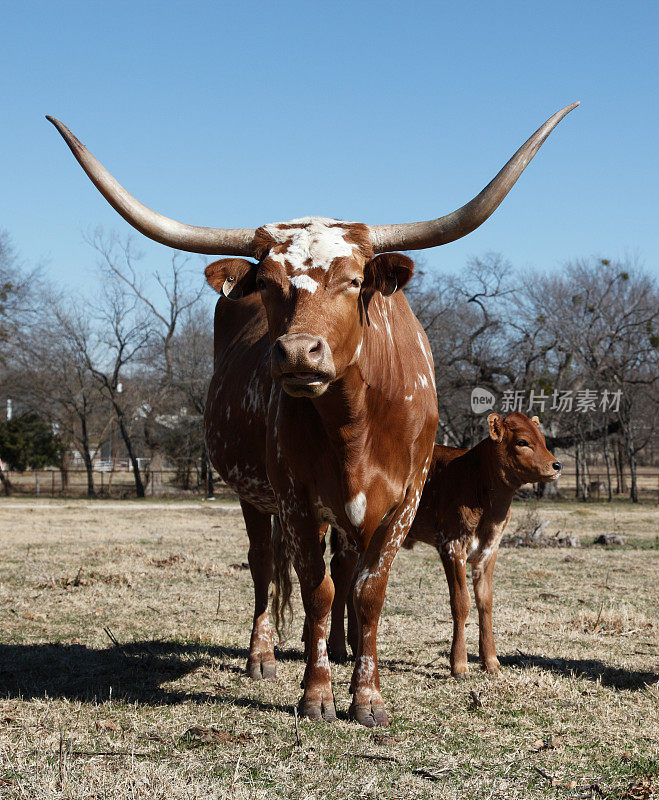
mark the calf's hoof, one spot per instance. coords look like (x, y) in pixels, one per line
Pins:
(371, 715)
(258, 670)
(339, 655)
(461, 676)
(317, 710)
(492, 668)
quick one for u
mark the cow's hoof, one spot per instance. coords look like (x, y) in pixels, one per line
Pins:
(491, 669)
(258, 670)
(317, 710)
(461, 676)
(371, 715)
(269, 670)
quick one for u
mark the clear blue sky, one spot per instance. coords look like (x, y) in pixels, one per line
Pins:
(238, 114)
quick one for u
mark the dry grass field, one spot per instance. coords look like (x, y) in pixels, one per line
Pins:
(167, 711)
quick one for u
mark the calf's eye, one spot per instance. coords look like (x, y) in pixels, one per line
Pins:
(522, 443)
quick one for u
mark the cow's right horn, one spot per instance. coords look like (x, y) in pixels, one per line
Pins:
(431, 233)
(211, 241)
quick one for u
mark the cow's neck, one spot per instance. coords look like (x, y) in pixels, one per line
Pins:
(342, 408)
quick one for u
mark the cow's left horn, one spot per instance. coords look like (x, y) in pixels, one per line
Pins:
(212, 241)
(419, 235)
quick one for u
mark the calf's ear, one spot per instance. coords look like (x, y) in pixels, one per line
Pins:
(495, 424)
(387, 273)
(232, 277)
(536, 421)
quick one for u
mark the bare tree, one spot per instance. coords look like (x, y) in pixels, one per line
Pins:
(51, 375)
(192, 369)
(604, 321)
(162, 304)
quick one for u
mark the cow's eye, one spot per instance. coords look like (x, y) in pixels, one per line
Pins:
(522, 443)
(356, 282)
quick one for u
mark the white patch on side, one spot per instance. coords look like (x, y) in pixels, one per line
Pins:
(356, 509)
(423, 380)
(428, 357)
(358, 352)
(304, 282)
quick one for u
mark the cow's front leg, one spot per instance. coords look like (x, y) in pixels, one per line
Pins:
(454, 561)
(317, 594)
(367, 705)
(261, 659)
(482, 577)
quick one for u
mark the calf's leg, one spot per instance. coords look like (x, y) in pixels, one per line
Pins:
(454, 561)
(261, 659)
(482, 577)
(342, 567)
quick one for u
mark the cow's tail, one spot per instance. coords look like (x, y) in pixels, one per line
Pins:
(282, 610)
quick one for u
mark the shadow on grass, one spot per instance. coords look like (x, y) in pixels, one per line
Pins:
(133, 672)
(592, 669)
(589, 668)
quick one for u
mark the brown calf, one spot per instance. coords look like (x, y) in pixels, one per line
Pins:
(464, 510)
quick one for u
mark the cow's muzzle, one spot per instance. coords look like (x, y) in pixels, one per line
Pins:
(303, 363)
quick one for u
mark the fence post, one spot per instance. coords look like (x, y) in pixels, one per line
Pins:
(52, 483)
(36, 481)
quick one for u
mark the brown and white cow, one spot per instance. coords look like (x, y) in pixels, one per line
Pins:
(464, 509)
(322, 407)
(347, 415)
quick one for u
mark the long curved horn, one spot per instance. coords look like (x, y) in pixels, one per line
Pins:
(419, 235)
(211, 241)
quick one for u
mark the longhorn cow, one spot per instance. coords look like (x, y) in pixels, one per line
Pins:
(322, 408)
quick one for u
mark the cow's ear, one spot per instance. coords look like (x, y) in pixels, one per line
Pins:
(495, 424)
(387, 273)
(535, 421)
(232, 277)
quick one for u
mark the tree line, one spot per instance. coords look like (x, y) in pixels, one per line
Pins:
(578, 346)
(130, 362)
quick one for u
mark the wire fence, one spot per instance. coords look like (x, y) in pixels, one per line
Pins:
(120, 484)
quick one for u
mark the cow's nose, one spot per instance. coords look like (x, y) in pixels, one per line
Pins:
(299, 352)
(557, 466)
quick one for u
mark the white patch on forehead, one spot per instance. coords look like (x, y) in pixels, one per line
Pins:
(304, 282)
(320, 241)
(356, 509)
